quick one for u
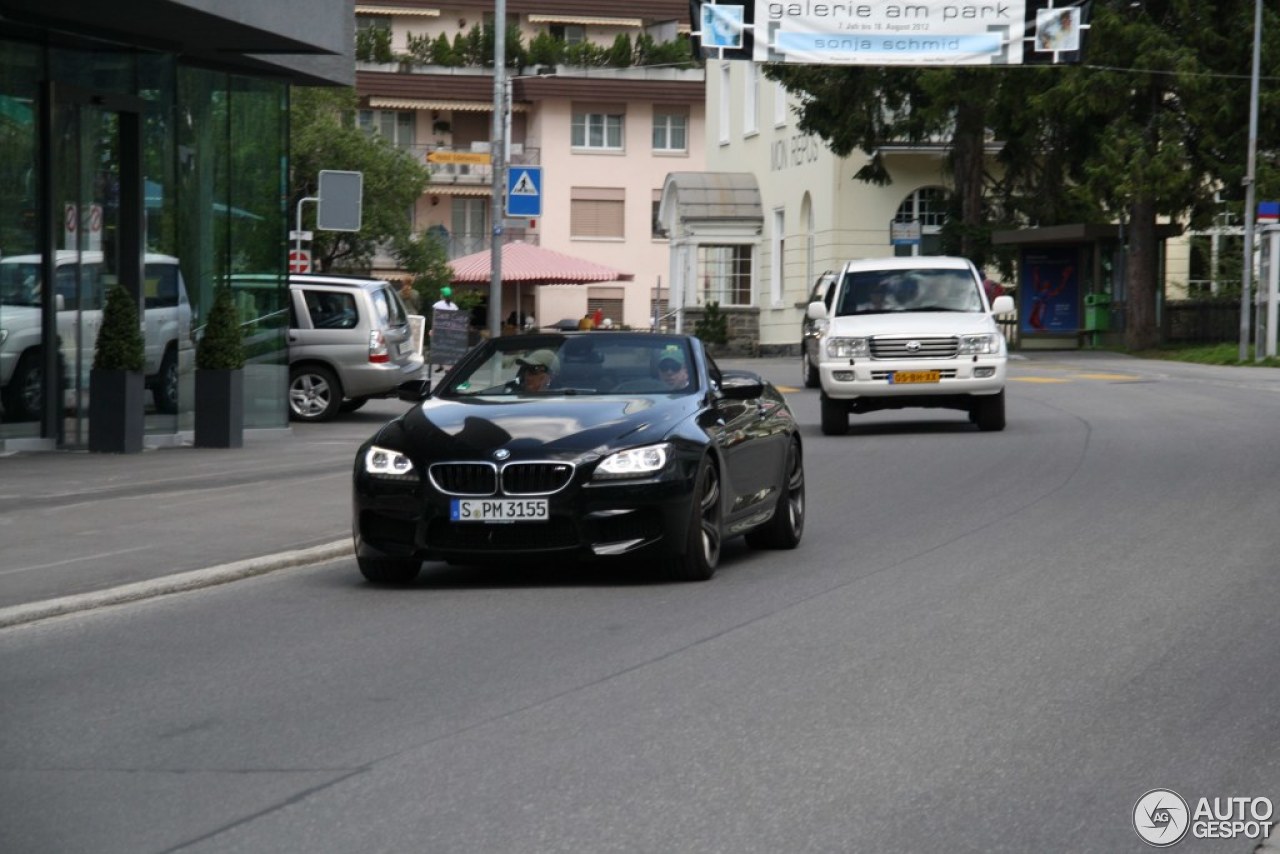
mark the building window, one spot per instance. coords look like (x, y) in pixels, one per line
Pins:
(569, 33)
(724, 103)
(396, 126)
(777, 268)
(656, 229)
(750, 99)
(597, 212)
(597, 130)
(670, 132)
(470, 218)
(779, 104)
(725, 274)
(610, 308)
(659, 310)
(373, 38)
(928, 206)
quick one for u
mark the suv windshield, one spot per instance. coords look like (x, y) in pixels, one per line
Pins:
(887, 291)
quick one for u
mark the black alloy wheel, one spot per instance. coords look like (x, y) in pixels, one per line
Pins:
(702, 547)
(786, 526)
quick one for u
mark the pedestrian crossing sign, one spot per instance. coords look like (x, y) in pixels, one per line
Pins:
(524, 191)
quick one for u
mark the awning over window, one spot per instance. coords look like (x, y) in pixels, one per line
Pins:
(367, 9)
(458, 190)
(423, 104)
(585, 21)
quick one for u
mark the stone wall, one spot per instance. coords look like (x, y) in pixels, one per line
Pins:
(743, 324)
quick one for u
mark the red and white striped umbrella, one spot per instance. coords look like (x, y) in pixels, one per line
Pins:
(526, 264)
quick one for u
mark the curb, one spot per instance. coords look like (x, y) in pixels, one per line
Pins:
(192, 580)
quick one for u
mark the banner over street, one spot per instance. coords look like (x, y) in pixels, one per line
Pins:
(891, 32)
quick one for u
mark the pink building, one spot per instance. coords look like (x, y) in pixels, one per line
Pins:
(607, 103)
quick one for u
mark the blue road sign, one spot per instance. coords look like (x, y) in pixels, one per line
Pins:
(524, 191)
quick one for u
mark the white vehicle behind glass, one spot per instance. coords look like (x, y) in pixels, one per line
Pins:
(910, 332)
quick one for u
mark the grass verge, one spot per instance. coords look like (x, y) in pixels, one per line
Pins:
(1207, 354)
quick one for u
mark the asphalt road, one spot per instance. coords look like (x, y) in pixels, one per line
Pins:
(986, 642)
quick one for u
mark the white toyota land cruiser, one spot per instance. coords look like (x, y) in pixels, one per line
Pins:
(907, 332)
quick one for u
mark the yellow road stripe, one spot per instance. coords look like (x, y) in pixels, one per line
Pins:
(1037, 380)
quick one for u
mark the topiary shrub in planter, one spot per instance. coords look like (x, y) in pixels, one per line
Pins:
(116, 389)
(219, 406)
(713, 328)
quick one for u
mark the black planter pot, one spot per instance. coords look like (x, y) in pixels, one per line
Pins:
(116, 410)
(219, 408)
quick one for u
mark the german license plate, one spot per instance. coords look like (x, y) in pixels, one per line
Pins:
(915, 377)
(498, 510)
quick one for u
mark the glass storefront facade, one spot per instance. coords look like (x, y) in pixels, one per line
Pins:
(128, 167)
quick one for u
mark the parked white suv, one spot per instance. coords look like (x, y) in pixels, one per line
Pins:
(907, 332)
(166, 316)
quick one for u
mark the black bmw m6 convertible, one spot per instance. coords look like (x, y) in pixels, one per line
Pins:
(580, 445)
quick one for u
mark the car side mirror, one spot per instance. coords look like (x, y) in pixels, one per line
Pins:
(414, 391)
(741, 386)
(817, 310)
(1003, 305)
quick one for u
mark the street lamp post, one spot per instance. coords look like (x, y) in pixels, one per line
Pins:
(498, 155)
(1250, 190)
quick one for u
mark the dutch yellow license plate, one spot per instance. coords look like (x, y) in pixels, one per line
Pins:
(915, 377)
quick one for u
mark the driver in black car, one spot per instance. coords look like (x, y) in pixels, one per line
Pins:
(537, 369)
(672, 369)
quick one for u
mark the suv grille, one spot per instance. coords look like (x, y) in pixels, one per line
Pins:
(541, 478)
(900, 347)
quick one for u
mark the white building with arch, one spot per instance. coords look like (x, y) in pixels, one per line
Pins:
(813, 213)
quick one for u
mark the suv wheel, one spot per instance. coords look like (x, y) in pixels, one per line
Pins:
(165, 388)
(835, 417)
(24, 394)
(808, 370)
(314, 393)
(988, 411)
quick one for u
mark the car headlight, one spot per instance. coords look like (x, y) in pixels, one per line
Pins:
(848, 348)
(971, 345)
(381, 462)
(636, 462)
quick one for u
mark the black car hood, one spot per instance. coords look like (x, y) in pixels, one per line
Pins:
(558, 427)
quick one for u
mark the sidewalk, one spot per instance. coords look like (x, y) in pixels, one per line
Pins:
(80, 530)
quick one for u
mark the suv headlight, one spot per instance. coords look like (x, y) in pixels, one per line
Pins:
(381, 462)
(971, 345)
(636, 462)
(848, 348)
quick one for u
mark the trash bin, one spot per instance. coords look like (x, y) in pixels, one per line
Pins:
(1097, 312)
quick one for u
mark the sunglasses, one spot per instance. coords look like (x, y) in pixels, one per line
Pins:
(670, 367)
(536, 369)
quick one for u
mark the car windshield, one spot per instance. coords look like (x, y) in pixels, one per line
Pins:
(916, 289)
(19, 283)
(599, 363)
